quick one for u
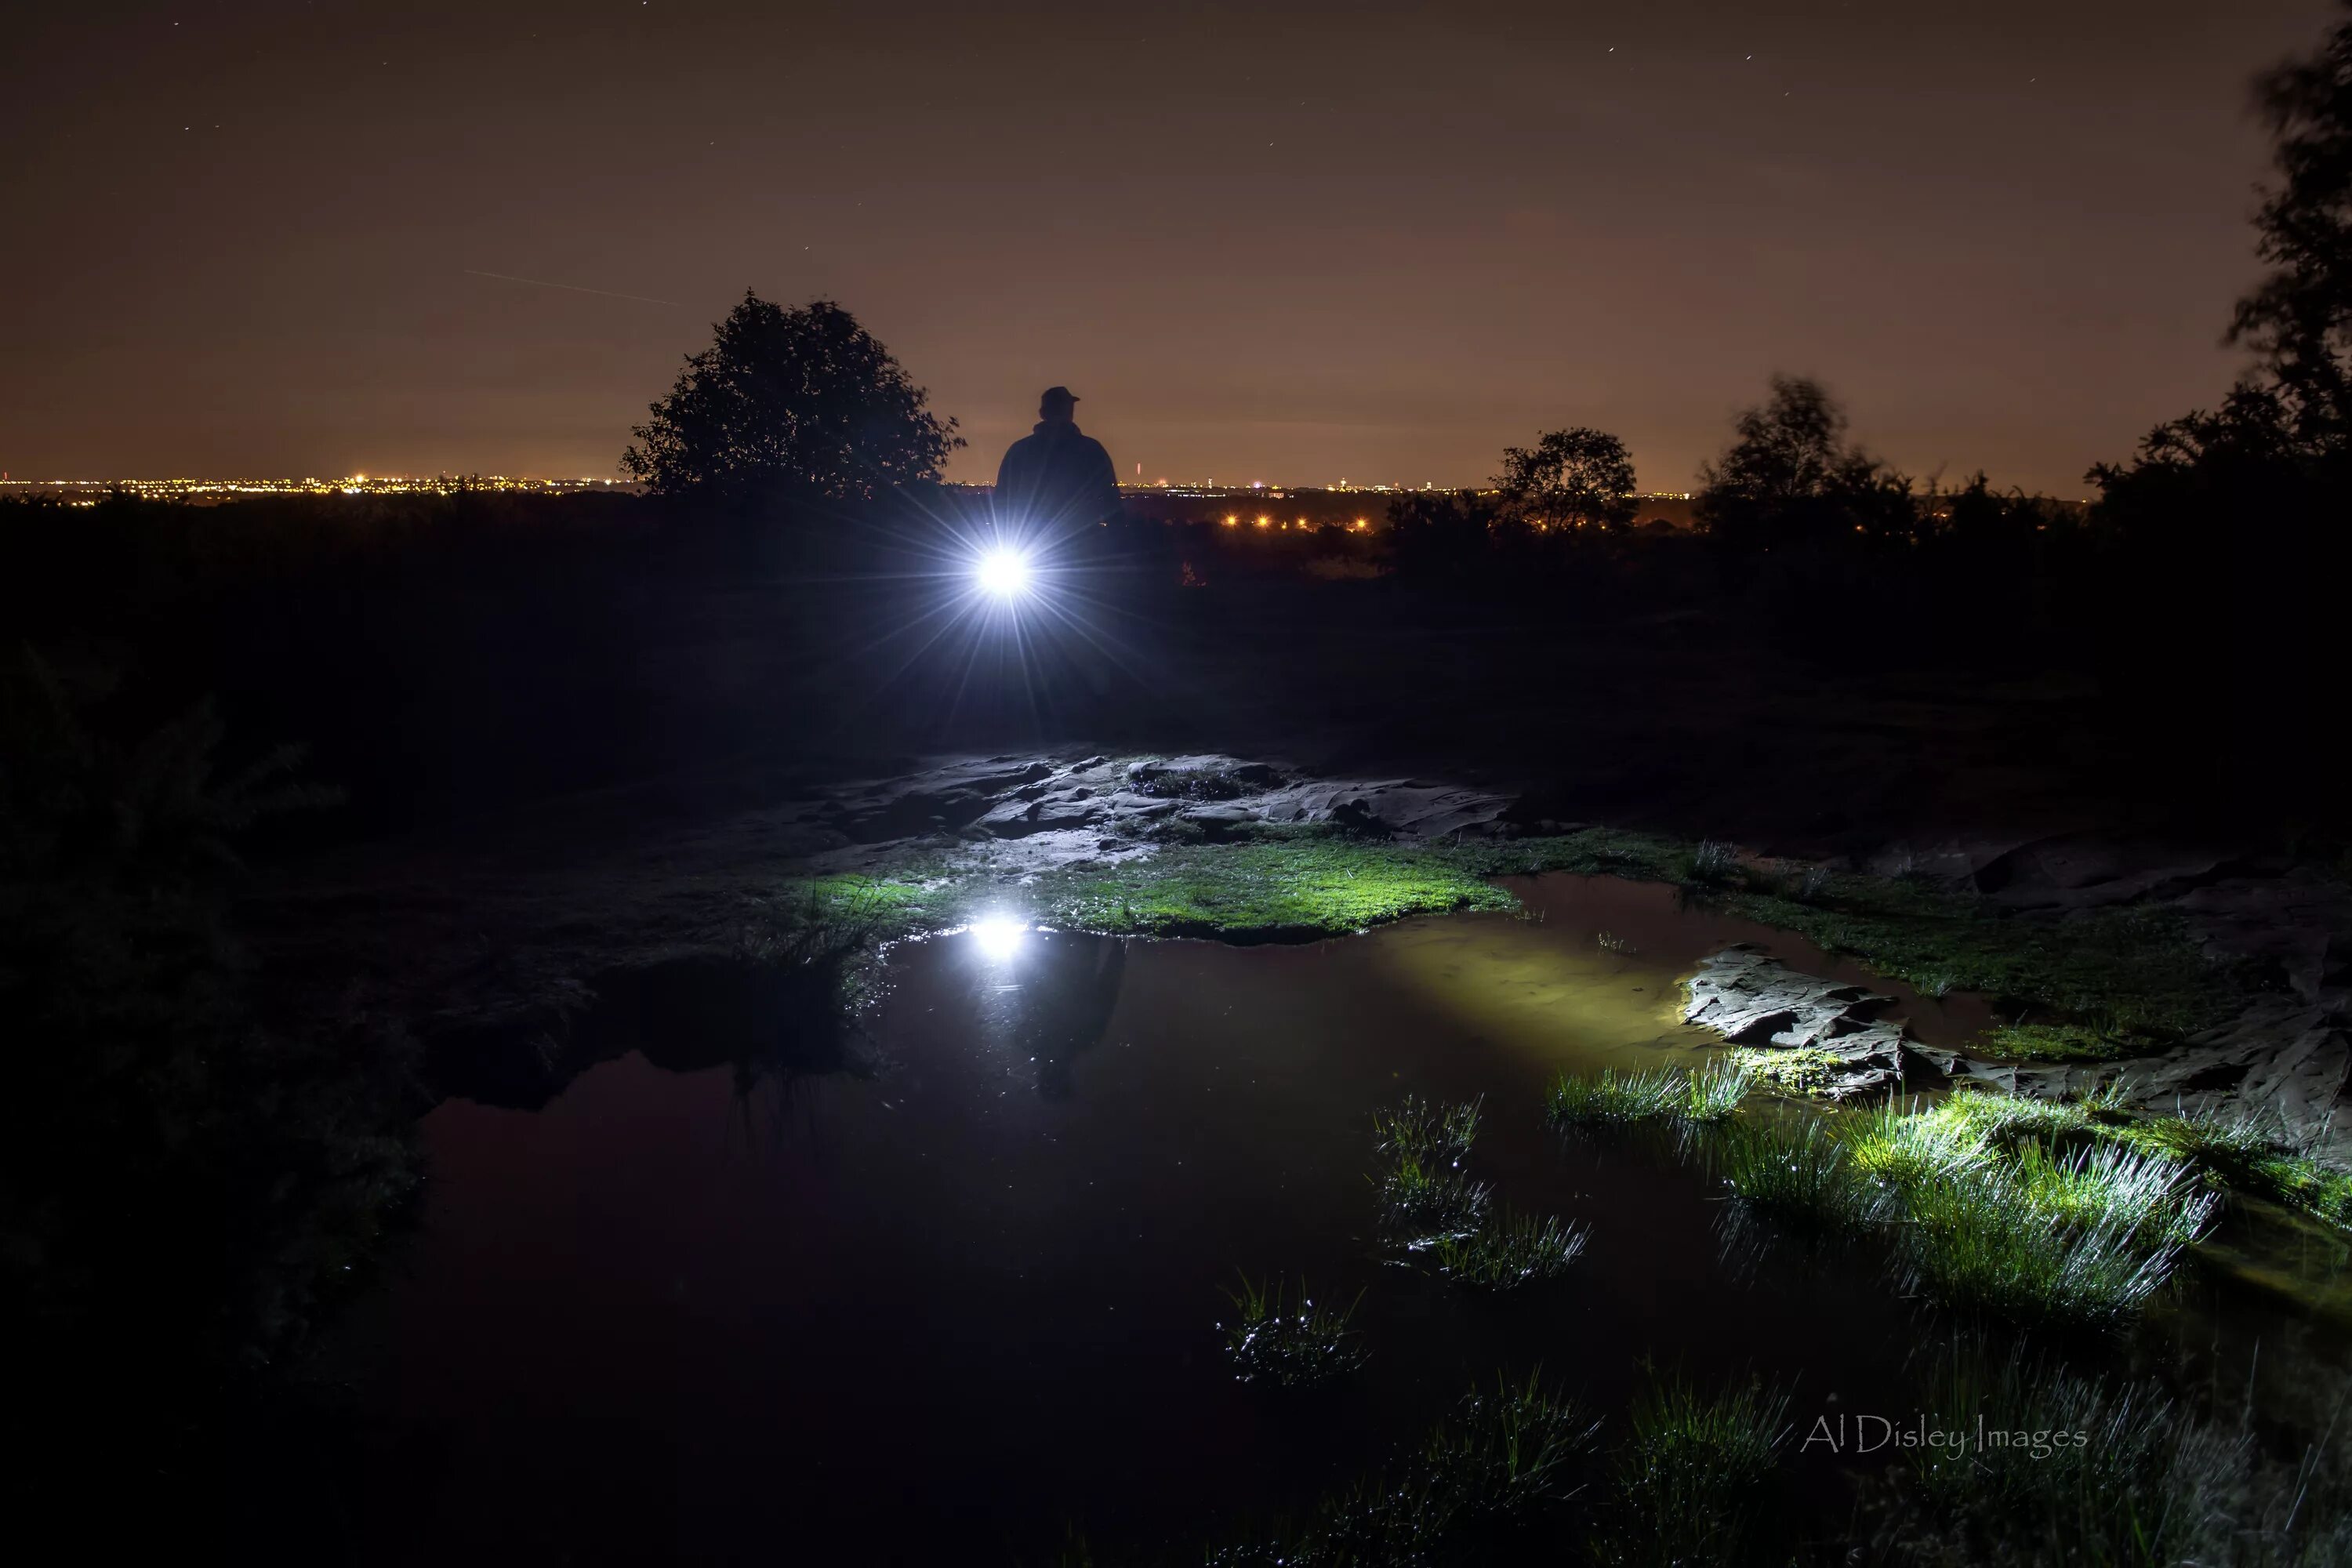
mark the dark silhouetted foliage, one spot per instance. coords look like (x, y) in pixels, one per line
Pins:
(1569, 479)
(1440, 531)
(2299, 320)
(186, 1182)
(790, 405)
(1791, 477)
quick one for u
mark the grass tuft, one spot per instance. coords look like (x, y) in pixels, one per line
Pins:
(2063, 1468)
(1973, 1238)
(1427, 1130)
(1499, 1464)
(1293, 1342)
(1615, 1098)
(1800, 1178)
(1509, 1250)
(1425, 1201)
(1716, 1088)
(1692, 1480)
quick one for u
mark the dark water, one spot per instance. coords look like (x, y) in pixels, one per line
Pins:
(947, 1312)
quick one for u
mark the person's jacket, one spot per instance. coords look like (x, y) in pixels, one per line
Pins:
(1056, 481)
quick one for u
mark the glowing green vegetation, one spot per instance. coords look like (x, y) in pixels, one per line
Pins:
(2303, 1182)
(1800, 1178)
(1617, 1099)
(1426, 1131)
(1802, 1070)
(1487, 1477)
(2054, 1042)
(1970, 1240)
(1693, 1482)
(2031, 1211)
(1717, 1089)
(1305, 886)
(1290, 1343)
(1508, 1250)
(1425, 1200)
(2024, 1207)
(2148, 1196)
(2169, 1165)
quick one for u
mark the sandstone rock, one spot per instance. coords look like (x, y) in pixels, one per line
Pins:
(1751, 998)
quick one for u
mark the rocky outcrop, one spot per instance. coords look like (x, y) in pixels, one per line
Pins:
(1039, 813)
(1751, 998)
(523, 934)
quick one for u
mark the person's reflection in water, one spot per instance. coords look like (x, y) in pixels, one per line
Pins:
(1068, 997)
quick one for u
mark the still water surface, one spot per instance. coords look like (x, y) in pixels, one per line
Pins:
(950, 1311)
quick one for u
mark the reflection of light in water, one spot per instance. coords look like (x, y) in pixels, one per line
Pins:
(999, 936)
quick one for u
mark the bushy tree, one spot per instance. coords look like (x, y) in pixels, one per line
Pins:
(2299, 321)
(790, 403)
(1569, 479)
(1791, 476)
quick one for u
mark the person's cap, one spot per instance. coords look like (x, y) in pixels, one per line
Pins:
(1058, 395)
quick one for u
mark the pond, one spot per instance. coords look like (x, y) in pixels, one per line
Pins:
(967, 1306)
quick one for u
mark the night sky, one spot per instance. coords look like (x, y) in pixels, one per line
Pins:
(1283, 242)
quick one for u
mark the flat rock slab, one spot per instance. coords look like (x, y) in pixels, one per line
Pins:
(1101, 807)
(1751, 998)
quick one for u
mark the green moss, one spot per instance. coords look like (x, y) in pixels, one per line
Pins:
(1280, 889)
(2054, 1042)
(1805, 1069)
(2303, 1182)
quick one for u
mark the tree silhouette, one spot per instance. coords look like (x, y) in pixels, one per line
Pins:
(2299, 321)
(1791, 475)
(790, 403)
(1568, 479)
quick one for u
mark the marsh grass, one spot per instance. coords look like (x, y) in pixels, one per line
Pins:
(2014, 1207)
(2018, 1206)
(1615, 1098)
(1716, 1090)
(2152, 1198)
(1709, 862)
(1423, 1201)
(1427, 1130)
(1800, 1178)
(1972, 1238)
(1693, 1480)
(2131, 1479)
(1503, 1462)
(1289, 1340)
(1509, 1250)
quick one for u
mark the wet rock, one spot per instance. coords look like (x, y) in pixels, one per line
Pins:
(2283, 1063)
(1751, 998)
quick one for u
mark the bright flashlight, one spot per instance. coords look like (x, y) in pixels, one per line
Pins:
(1005, 573)
(999, 936)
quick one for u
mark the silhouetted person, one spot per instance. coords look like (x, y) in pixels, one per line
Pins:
(1056, 481)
